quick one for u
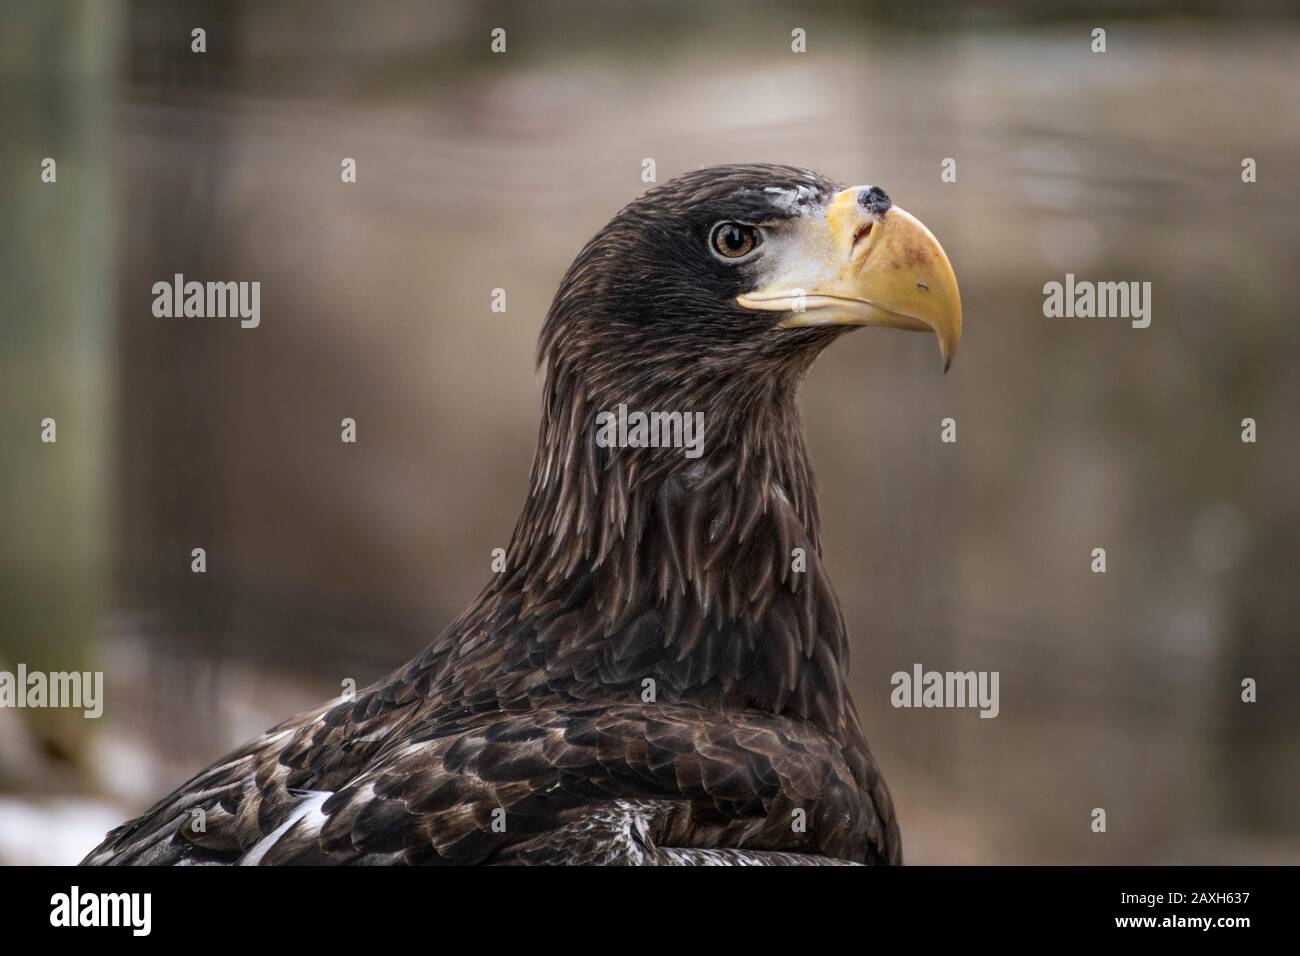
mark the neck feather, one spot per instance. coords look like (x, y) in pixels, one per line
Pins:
(703, 576)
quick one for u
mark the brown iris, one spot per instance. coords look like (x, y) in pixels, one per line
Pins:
(732, 240)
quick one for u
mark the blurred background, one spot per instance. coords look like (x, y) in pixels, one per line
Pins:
(329, 561)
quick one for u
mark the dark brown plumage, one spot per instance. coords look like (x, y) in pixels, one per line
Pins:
(529, 731)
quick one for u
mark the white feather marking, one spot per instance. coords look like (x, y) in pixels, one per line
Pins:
(308, 811)
(792, 200)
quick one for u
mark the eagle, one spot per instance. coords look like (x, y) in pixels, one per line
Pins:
(657, 675)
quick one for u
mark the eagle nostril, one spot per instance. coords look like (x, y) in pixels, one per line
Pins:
(862, 233)
(873, 200)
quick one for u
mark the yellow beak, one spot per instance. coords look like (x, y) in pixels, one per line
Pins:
(868, 268)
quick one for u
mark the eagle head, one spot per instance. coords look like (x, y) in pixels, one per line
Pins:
(733, 278)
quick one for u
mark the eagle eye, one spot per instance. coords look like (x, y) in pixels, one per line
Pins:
(734, 240)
